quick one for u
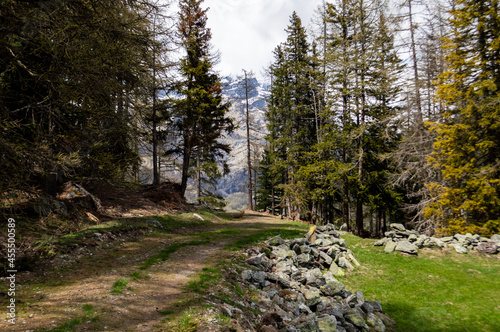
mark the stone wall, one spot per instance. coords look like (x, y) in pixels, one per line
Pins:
(297, 289)
(409, 241)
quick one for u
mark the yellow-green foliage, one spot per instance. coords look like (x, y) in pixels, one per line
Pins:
(466, 150)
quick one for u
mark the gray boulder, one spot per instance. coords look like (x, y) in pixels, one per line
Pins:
(390, 246)
(336, 270)
(313, 296)
(374, 322)
(460, 248)
(327, 323)
(381, 242)
(332, 288)
(487, 247)
(406, 247)
(397, 227)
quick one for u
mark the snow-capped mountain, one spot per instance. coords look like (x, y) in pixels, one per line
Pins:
(234, 91)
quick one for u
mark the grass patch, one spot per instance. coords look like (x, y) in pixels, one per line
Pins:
(208, 277)
(136, 275)
(89, 314)
(290, 232)
(186, 323)
(165, 253)
(119, 286)
(437, 291)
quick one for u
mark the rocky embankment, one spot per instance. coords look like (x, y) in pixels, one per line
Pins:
(297, 289)
(409, 241)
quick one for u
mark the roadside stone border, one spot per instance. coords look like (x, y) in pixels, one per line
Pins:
(409, 241)
(298, 292)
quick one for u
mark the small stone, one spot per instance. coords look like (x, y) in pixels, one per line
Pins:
(354, 317)
(447, 239)
(332, 288)
(460, 248)
(352, 259)
(315, 278)
(304, 260)
(412, 238)
(376, 323)
(336, 270)
(308, 326)
(397, 227)
(313, 297)
(344, 263)
(327, 259)
(282, 253)
(381, 242)
(496, 238)
(406, 247)
(367, 308)
(390, 246)
(259, 277)
(327, 323)
(247, 275)
(275, 241)
(256, 260)
(377, 307)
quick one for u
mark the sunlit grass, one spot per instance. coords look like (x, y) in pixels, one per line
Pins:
(435, 291)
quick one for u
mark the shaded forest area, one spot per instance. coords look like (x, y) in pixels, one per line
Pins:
(88, 88)
(360, 132)
(387, 111)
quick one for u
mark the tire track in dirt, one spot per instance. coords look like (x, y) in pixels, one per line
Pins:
(140, 307)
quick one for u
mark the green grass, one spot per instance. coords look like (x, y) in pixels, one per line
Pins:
(286, 232)
(165, 253)
(136, 275)
(207, 278)
(435, 291)
(119, 286)
(89, 314)
(185, 324)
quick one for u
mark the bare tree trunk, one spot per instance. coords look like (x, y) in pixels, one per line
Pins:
(185, 165)
(418, 102)
(249, 160)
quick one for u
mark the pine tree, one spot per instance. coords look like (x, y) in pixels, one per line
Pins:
(201, 113)
(291, 115)
(467, 146)
(65, 92)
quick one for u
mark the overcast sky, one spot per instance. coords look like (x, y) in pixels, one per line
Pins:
(247, 31)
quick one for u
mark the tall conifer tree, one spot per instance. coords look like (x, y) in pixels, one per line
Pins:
(201, 113)
(467, 147)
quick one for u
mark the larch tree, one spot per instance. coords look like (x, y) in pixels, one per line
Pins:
(467, 146)
(200, 113)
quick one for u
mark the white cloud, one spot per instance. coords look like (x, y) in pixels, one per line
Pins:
(247, 31)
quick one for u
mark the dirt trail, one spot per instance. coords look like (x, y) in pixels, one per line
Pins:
(56, 297)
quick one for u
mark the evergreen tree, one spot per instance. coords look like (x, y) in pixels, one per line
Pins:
(291, 115)
(467, 146)
(200, 114)
(69, 70)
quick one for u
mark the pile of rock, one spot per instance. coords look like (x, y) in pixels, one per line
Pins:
(297, 296)
(409, 241)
